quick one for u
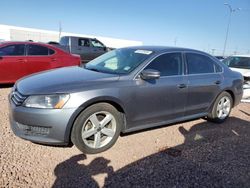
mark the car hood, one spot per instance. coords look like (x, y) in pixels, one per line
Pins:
(244, 72)
(63, 80)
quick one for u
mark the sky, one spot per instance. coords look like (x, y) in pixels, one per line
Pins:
(198, 24)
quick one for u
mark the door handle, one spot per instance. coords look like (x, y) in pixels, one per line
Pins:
(53, 59)
(1, 58)
(181, 86)
(217, 82)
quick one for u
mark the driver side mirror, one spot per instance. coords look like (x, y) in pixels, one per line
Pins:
(149, 74)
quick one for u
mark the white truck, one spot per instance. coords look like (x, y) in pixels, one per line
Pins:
(241, 63)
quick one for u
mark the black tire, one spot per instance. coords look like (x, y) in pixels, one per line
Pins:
(80, 124)
(213, 115)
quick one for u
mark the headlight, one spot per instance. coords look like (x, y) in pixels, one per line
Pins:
(46, 101)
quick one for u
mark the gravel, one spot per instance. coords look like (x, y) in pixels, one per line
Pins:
(190, 154)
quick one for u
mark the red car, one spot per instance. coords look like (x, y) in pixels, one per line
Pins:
(18, 59)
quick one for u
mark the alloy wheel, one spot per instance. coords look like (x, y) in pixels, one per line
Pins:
(99, 129)
(223, 107)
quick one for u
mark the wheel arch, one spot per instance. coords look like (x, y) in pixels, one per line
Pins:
(110, 100)
(232, 95)
(226, 90)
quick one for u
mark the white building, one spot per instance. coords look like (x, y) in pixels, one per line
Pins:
(13, 33)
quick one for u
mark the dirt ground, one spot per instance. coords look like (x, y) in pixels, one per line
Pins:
(191, 154)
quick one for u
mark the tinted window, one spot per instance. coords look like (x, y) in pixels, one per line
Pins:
(37, 50)
(83, 42)
(167, 64)
(12, 50)
(198, 64)
(51, 52)
(218, 68)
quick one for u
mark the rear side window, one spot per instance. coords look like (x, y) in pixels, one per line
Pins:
(37, 50)
(167, 64)
(13, 50)
(200, 64)
(51, 52)
(83, 42)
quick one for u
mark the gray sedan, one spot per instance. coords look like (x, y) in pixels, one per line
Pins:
(124, 90)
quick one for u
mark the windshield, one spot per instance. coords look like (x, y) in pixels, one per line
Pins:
(238, 62)
(120, 61)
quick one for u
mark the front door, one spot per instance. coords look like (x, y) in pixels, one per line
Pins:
(97, 48)
(162, 99)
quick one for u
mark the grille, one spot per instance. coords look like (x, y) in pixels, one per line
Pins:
(17, 98)
(34, 130)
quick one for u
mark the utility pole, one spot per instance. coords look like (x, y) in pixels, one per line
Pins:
(231, 10)
(175, 41)
(60, 30)
(213, 50)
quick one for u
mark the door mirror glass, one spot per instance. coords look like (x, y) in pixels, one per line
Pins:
(149, 74)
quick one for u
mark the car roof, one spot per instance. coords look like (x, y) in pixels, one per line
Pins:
(23, 42)
(159, 49)
(78, 37)
(29, 42)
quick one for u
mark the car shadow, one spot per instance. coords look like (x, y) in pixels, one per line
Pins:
(212, 155)
(71, 173)
(6, 85)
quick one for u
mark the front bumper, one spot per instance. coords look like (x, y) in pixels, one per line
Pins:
(246, 92)
(45, 126)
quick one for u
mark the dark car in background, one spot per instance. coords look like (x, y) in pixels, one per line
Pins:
(124, 90)
(87, 48)
(19, 59)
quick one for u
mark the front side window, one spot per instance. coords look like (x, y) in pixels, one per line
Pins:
(119, 61)
(167, 64)
(83, 42)
(13, 50)
(37, 50)
(199, 64)
(238, 62)
(96, 43)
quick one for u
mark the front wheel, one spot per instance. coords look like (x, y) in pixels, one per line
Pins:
(97, 128)
(221, 108)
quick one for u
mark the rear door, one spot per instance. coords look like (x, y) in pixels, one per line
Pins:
(13, 63)
(84, 49)
(204, 82)
(38, 58)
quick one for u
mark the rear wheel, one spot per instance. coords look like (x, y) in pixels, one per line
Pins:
(97, 128)
(221, 108)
